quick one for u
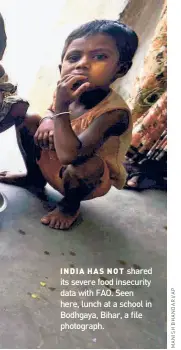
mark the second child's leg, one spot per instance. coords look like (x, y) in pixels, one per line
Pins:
(25, 131)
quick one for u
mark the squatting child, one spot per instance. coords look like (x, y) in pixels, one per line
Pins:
(79, 146)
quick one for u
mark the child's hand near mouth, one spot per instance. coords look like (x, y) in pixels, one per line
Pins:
(69, 89)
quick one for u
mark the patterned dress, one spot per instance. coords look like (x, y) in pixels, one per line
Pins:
(148, 151)
(9, 96)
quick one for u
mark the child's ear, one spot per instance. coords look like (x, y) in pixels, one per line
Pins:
(123, 69)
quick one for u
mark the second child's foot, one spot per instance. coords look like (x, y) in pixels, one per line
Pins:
(23, 180)
(58, 220)
(133, 182)
(10, 178)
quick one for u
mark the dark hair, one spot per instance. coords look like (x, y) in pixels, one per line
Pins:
(3, 37)
(125, 38)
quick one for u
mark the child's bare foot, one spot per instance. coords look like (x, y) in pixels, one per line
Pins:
(133, 181)
(8, 177)
(36, 183)
(58, 220)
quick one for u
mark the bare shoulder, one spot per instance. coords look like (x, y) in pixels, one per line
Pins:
(113, 121)
(117, 115)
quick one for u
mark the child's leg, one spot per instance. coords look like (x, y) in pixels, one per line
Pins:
(80, 183)
(13, 110)
(25, 130)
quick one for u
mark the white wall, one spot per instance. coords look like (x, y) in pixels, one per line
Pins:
(36, 32)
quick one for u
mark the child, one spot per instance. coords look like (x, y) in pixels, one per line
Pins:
(81, 143)
(11, 105)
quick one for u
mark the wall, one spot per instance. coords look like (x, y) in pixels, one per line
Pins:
(142, 16)
(36, 33)
(72, 15)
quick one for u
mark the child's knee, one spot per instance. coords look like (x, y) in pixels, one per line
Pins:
(31, 122)
(19, 109)
(92, 168)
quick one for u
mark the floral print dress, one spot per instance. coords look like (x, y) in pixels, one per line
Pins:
(149, 108)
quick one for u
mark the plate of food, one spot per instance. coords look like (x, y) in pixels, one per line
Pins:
(3, 202)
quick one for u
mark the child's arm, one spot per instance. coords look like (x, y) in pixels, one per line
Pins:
(113, 123)
(44, 136)
(83, 147)
(68, 146)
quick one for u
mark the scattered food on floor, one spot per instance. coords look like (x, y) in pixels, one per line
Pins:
(136, 266)
(107, 286)
(122, 262)
(22, 232)
(43, 284)
(72, 253)
(46, 252)
(103, 278)
(35, 296)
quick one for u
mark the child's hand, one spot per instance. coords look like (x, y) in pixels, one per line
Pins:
(68, 90)
(44, 136)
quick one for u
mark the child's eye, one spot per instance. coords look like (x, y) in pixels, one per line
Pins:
(100, 57)
(73, 58)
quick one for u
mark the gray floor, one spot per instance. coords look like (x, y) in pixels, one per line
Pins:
(124, 226)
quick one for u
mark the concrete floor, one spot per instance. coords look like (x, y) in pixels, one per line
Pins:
(124, 226)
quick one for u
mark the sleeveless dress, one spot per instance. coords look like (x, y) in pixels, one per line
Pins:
(112, 152)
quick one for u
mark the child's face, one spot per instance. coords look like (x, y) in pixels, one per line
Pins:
(96, 57)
